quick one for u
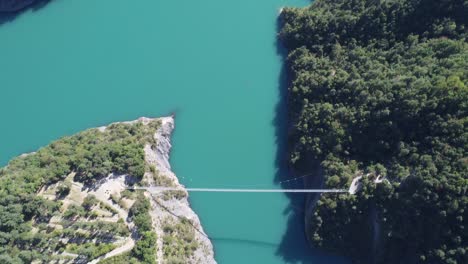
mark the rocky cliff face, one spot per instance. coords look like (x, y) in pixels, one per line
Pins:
(180, 235)
(169, 209)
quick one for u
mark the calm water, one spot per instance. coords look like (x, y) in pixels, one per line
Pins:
(79, 64)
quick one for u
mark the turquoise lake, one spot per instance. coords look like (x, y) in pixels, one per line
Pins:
(73, 65)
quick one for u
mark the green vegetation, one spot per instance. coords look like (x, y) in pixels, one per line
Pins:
(129, 194)
(74, 211)
(90, 250)
(145, 248)
(175, 194)
(124, 258)
(179, 241)
(161, 179)
(99, 228)
(139, 214)
(144, 252)
(121, 152)
(63, 189)
(26, 231)
(379, 88)
(89, 202)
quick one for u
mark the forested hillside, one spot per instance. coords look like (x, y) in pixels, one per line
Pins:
(378, 89)
(49, 212)
(71, 201)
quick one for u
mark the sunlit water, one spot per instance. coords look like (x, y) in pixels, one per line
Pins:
(79, 64)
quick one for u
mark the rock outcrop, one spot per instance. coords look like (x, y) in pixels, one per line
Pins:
(173, 208)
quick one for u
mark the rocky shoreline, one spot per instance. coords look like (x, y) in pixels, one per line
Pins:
(174, 208)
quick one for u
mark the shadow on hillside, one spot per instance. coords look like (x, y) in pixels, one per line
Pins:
(294, 247)
(6, 17)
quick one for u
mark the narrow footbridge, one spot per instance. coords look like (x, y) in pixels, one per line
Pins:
(162, 189)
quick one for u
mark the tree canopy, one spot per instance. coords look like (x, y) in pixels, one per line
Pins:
(379, 89)
(90, 156)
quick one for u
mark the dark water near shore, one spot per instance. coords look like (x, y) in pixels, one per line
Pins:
(78, 64)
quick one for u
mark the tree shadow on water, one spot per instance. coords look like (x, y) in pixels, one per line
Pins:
(244, 241)
(35, 5)
(294, 247)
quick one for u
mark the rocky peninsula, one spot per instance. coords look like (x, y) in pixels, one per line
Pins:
(176, 208)
(72, 202)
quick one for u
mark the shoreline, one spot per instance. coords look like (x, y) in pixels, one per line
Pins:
(174, 208)
(165, 207)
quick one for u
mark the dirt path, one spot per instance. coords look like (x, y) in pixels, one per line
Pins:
(127, 246)
(114, 185)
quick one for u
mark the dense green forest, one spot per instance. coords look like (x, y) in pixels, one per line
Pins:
(379, 89)
(26, 232)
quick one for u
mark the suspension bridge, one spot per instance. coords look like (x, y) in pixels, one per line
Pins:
(155, 189)
(162, 189)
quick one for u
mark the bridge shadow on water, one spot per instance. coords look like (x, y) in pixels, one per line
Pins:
(244, 241)
(294, 247)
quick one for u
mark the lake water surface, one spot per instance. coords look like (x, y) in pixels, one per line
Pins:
(78, 64)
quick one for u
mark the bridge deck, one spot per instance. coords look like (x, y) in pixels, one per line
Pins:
(159, 189)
